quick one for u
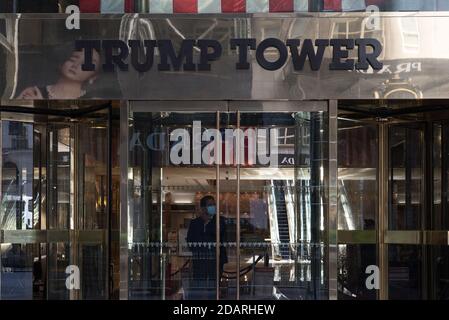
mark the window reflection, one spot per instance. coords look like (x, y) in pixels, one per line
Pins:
(353, 260)
(281, 203)
(17, 202)
(357, 175)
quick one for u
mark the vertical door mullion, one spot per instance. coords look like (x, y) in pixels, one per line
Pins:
(408, 177)
(124, 200)
(428, 209)
(385, 181)
(217, 203)
(109, 267)
(73, 223)
(315, 185)
(332, 198)
(1, 197)
(444, 181)
(238, 155)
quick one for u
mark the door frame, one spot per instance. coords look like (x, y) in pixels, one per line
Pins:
(17, 113)
(329, 106)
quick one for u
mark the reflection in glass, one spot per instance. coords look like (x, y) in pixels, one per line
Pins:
(280, 196)
(357, 175)
(406, 177)
(39, 203)
(353, 260)
(17, 205)
(405, 272)
(165, 193)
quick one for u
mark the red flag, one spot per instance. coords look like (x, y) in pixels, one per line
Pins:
(185, 6)
(281, 5)
(332, 5)
(90, 6)
(129, 6)
(233, 6)
(374, 2)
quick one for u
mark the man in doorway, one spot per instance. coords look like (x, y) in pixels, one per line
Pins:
(201, 239)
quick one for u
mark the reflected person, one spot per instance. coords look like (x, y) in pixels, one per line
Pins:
(201, 239)
(72, 83)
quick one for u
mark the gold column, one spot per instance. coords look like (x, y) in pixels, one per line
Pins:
(382, 226)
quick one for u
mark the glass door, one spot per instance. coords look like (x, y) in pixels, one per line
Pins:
(417, 229)
(54, 217)
(283, 199)
(220, 200)
(392, 221)
(172, 180)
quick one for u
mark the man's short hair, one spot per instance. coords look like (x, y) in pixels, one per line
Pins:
(204, 200)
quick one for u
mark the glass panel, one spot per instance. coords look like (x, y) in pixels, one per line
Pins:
(406, 178)
(173, 184)
(441, 177)
(357, 175)
(58, 260)
(93, 270)
(439, 272)
(353, 260)
(59, 178)
(22, 276)
(22, 266)
(283, 205)
(435, 220)
(311, 165)
(17, 207)
(172, 239)
(38, 199)
(92, 206)
(405, 272)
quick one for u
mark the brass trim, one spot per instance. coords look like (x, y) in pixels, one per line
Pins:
(93, 236)
(417, 237)
(52, 236)
(436, 237)
(58, 236)
(382, 208)
(237, 231)
(24, 236)
(217, 215)
(357, 236)
(403, 237)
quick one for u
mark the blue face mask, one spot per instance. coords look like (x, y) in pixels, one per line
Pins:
(211, 210)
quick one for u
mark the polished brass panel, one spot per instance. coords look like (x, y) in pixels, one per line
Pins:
(24, 236)
(357, 237)
(52, 236)
(92, 236)
(436, 237)
(403, 237)
(417, 237)
(59, 235)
